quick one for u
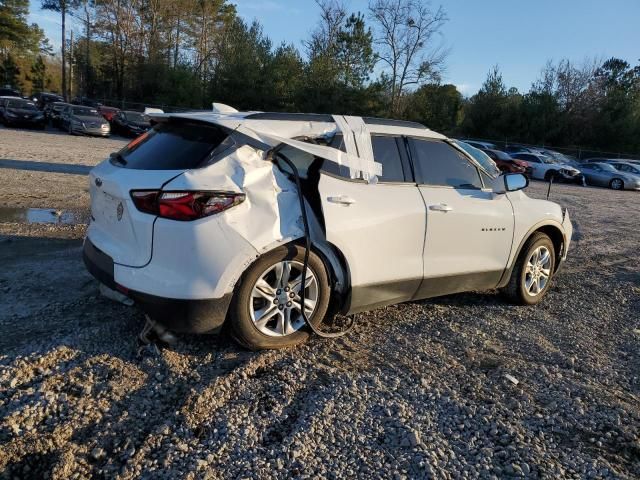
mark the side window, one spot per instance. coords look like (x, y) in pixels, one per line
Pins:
(329, 167)
(385, 151)
(531, 158)
(437, 163)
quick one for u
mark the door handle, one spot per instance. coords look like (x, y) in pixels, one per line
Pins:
(341, 199)
(441, 207)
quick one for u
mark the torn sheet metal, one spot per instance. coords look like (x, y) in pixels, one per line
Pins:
(329, 153)
(271, 210)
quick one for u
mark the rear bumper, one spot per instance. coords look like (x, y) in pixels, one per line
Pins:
(188, 316)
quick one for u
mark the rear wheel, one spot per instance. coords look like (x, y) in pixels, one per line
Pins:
(266, 309)
(616, 184)
(531, 276)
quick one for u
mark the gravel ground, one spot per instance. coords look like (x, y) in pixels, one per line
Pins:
(417, 390)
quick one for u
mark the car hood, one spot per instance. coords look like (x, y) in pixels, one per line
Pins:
(520, 163)
(568, 167)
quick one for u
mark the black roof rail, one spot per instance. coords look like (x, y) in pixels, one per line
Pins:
(322, 117)
(392, 122)
(299, 117)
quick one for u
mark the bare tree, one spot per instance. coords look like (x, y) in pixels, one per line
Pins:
(325, 38)
(406, 31)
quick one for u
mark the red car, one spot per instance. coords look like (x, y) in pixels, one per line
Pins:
(108, 112)
(506, 163)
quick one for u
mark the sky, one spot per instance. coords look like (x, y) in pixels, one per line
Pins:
(519, 36)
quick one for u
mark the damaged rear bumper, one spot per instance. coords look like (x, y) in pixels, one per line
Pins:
(187, 316)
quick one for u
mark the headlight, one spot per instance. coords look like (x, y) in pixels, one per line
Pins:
(105, 125)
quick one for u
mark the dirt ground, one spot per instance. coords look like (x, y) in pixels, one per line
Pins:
(417, 390)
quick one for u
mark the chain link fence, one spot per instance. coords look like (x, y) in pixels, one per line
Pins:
(577, 152)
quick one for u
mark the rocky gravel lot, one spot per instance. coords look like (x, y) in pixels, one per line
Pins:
(462, 386)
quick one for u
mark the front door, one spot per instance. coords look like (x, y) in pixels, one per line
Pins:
(469, 228)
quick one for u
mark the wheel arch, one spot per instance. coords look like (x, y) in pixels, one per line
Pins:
(554, 232)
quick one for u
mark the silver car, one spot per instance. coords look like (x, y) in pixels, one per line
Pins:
(606, 175)
(77, 119)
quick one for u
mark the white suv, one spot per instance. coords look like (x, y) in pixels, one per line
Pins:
(200, 221)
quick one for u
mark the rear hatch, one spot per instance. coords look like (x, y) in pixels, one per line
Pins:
(149, 162)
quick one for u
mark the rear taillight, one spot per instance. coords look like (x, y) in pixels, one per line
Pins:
(182, 205)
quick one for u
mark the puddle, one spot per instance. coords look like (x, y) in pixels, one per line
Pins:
(41, 215)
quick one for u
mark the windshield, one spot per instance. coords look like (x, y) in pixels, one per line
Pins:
(136, 117)
(479, 156)
(85, 111)
(23, 104)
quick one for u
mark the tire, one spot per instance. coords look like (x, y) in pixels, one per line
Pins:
(248, 301)
(516, 290)
(616, 184)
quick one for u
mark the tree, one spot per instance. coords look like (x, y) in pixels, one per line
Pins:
(354, 52)
(439, 107)
(406, 31)
(9, 72)
(39, 74)
(341, 58)
(63, 7)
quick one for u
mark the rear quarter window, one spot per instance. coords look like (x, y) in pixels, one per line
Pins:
(173, 146)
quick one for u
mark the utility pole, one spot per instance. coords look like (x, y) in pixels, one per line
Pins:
(63, 8)
(71, 64)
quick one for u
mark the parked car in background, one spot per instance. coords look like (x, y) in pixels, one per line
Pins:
(42, 99)
(628, 167)
(506, 163)
(516, 149)
(53, 113)
(480, 145)
(10, 92)
(544, 168)
(84, 120)
(17, 112)
(108, 112)
(188, 223)
(129, 123)
(606, 175)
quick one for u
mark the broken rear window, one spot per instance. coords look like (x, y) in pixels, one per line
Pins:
(173, 146)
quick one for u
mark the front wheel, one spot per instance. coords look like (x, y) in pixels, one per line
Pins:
(266, 311)
(531, 276)
(616, 184)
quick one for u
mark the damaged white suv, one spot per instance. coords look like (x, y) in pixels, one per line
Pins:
(199, 220)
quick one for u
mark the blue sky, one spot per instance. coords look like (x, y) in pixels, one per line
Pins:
(518, 35)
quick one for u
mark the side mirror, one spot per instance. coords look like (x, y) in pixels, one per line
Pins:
(515, 181)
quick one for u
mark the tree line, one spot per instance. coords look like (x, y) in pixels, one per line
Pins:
(386, 61)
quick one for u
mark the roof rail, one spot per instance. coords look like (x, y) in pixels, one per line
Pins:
(392, 122)
(300, 117)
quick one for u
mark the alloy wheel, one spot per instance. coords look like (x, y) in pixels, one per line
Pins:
(537, 271)
(616, 184)
(275, 307)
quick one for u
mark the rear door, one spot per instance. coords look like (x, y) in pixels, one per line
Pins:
(149, 162)
(469, 228)
(379, 227)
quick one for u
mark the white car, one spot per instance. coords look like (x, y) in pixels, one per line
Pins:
(200, 221)
(543, 168)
